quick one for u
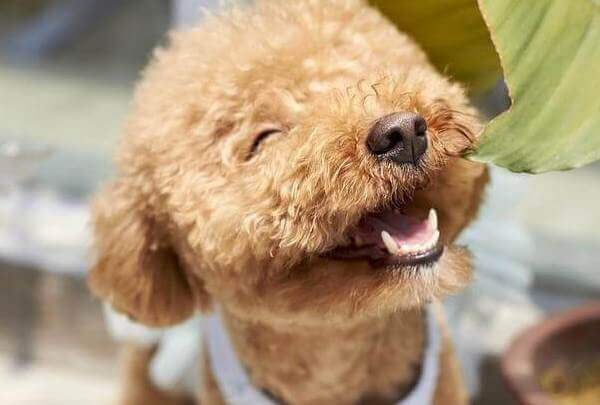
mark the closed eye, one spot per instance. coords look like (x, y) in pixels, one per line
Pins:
(260, 138)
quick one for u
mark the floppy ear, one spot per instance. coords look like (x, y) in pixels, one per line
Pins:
(137, 269)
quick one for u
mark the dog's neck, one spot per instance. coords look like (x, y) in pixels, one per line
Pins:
(375, 361)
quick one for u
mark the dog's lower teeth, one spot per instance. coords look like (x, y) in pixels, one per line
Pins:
(398, 248)
(394, 249)
(411, 250)
(436, 238)
(432, 219)
(389, 243)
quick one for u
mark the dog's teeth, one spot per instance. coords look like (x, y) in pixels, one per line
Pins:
(408, 249)
(432, 240)
(435, 238)
(433, 219)
(389, 242)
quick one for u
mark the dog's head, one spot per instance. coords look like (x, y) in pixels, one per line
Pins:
(293, 161)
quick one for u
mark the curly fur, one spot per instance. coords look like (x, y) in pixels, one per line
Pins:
(194, 217)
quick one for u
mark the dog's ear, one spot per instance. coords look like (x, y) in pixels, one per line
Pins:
(137, 269)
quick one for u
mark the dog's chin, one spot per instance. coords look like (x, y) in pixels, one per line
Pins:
(345, 291)
(401, 283)
(391, 261)
(418, 280)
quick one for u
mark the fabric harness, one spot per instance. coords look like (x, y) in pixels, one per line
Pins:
(176, 362)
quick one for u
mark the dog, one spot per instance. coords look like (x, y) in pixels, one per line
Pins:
(295, 168)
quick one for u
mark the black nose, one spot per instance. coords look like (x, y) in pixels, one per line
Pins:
(399, 137)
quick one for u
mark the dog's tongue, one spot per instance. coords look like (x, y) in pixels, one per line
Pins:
(399, 233)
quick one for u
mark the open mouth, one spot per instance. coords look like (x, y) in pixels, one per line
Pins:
(393, 238)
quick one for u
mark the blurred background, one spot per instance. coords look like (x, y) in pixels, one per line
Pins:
(67, 70)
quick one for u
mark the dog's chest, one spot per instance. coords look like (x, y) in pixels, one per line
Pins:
(382, 361)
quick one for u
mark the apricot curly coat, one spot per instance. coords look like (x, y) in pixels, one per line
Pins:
(196, 217)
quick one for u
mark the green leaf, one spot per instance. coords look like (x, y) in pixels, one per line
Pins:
(550, 54)
(453, 34)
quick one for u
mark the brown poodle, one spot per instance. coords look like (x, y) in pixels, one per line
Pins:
(282, 161)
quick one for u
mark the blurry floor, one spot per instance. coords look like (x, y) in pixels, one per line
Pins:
(53, 346)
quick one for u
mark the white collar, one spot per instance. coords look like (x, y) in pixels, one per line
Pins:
(237, 389)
